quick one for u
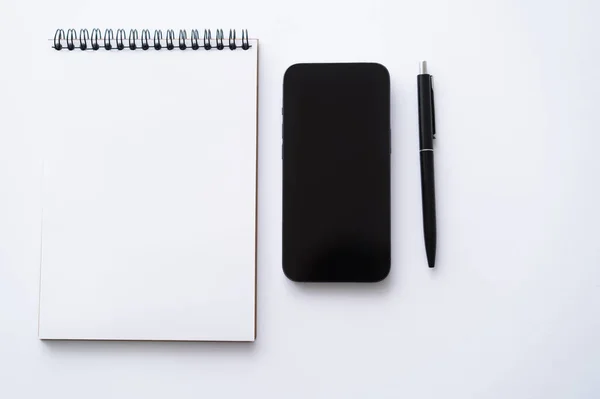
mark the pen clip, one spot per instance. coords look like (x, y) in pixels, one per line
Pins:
(432, 109)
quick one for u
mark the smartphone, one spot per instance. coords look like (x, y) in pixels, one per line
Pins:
(336, 172)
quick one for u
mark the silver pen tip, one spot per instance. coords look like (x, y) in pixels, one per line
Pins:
(423, 67)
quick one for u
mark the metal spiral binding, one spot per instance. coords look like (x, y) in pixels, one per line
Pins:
(134, 41)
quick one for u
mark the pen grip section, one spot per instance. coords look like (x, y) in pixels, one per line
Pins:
(428, 196)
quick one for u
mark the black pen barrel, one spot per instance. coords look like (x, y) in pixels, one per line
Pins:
(426, 123)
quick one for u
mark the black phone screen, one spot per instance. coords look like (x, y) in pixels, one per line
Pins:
(336, 172)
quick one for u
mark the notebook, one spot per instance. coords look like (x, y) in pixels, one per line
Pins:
(149, 187)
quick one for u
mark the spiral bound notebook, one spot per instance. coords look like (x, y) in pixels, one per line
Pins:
(149, 186)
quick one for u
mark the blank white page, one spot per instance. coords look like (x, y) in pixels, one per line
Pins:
(149, 195)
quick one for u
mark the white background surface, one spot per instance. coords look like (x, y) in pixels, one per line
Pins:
(511, 310)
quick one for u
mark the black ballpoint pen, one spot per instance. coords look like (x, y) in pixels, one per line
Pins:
(426, 136)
